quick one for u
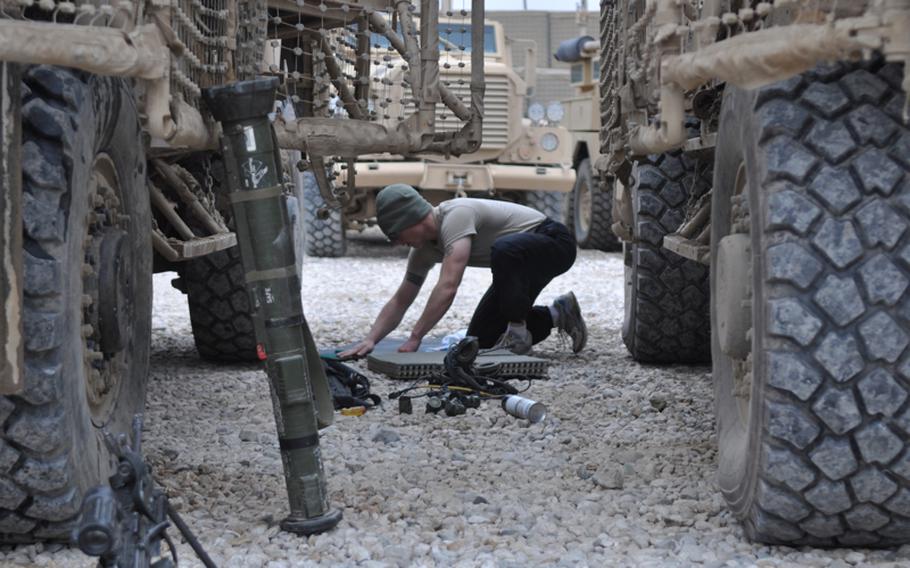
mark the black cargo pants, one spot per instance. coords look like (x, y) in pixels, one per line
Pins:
(522, 265)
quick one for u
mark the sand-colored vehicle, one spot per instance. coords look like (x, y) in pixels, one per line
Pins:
(110, 170)
(520, 159)
(589, 206)
(763, 151)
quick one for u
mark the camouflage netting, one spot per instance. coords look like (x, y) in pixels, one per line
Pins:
(339, 65)
(334, 59)
(636, 40)
(348, 62)
(209, 44)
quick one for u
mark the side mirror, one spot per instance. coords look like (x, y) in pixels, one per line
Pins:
(530, 74)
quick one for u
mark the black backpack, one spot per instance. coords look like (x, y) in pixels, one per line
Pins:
(348, 387)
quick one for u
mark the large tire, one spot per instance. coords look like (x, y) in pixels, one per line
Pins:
(220, 309)
(218, 298)
(592, 211)
(87, 297)
(667, 298)
(324, 237)
(550, 203)
(812, 411)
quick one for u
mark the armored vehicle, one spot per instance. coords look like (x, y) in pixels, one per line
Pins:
(763, 151)
(589, 205)
(111, 169)
(520, 159)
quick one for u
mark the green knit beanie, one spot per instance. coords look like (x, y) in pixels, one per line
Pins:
(399, 206)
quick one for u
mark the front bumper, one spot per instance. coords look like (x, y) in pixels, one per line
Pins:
(487, 178)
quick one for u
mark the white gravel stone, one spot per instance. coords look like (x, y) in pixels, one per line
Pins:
(481, 489)
(609, 477)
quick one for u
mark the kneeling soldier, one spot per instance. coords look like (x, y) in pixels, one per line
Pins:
(522, 247)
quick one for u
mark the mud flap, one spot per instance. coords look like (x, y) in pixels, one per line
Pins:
(11, 343)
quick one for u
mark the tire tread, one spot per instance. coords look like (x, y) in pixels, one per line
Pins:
(220, 311)
(325, 238)
(669, 321)
(844, 431)
(550, 203)
(34, 461)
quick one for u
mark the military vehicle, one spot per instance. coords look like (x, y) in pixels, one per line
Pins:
(764, 154)
(520, 159)
(111, 169)
(589, 206)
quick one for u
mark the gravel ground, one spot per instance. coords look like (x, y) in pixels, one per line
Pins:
(620, 474)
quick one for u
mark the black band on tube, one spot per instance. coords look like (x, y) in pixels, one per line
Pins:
(300, 443)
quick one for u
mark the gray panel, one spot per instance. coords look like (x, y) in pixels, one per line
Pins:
(410, 366)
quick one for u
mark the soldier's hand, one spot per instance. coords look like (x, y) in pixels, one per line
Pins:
(362, 349)
(409, 346)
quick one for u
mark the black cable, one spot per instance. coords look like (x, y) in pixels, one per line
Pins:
(488, 387)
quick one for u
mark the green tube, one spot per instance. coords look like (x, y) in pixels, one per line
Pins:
(254, 182)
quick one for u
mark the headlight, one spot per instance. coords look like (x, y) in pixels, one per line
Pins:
(555, 112)
(549, 142)
(536, 112)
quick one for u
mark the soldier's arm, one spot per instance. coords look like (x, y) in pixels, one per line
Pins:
(453, 265)
(390, 315)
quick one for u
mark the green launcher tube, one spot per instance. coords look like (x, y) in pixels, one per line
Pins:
(254, 182)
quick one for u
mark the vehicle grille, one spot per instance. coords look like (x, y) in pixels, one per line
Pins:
(495, 112)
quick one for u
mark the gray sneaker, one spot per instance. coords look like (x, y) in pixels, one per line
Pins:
(516, 341)
(570, 321)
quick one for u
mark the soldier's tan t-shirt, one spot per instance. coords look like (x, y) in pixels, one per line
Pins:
(484, 220)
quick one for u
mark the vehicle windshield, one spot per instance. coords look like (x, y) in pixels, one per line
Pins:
(452, 37)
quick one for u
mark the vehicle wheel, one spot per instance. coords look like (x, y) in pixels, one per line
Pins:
(550, 203)
(666, 301)
(216, 290)
(220, 311)
(592, 211)
(87, 297)
(324, 237)
(809, 228)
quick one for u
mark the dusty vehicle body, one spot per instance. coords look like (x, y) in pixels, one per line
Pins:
(517, 160)
(764, 160)
(589, 207)
(110, 170)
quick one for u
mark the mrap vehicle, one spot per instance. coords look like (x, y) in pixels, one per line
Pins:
(760, 155)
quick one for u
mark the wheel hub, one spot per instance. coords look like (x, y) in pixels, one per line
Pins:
(114, 288)
(734, 313)
(106, 289)
(733, 296)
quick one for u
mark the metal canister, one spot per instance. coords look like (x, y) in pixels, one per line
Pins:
(521, 407)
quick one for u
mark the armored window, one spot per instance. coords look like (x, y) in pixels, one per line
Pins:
(460, 35)
(577, 73)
